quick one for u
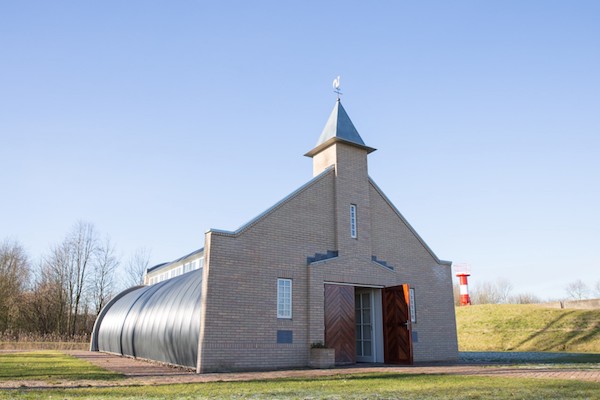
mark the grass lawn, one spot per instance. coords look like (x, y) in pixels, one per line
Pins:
(49, 366)
(366, 386)
(53, 366)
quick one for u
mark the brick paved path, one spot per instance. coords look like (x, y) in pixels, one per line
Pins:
(140, 372)
(164, 374)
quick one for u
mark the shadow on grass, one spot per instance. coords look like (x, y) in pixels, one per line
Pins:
(591, 336)
(547, 340)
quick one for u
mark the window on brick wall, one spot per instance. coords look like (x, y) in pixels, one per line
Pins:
(353, 228)
(284, 298)
(413, 306)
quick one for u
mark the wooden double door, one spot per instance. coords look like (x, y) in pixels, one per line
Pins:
(341, 323)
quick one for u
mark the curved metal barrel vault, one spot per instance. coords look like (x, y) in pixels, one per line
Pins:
(159, 322)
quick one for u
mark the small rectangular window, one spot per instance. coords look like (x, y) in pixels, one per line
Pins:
(284, 298)
(353, 221)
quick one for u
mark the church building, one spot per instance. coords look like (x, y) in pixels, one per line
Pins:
(334, 262)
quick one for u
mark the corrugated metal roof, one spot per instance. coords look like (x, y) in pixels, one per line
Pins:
(159, 322)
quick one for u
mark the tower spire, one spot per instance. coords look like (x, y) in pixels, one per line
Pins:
(339, 128)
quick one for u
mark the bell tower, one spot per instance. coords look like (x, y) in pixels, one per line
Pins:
(341, 146)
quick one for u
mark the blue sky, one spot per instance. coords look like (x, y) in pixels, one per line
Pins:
(156, 121)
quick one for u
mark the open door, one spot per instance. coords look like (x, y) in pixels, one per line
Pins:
(397, 336)
(339, 322)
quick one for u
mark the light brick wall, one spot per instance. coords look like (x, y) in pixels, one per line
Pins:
(240, 323)
(395, 243)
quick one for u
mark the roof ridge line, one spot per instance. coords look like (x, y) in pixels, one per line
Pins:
(408, 225)
(274, 207)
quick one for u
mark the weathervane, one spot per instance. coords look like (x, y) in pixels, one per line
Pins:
(336, 87)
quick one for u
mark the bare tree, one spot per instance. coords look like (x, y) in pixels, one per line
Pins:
(485, 293)
(45, 305)
(597, 289)
(492, 292)
(504, 288)
(69, 266)
(525, 298)
(105, 264)
(54, 281)
(456, 294)
(577, 290)
(14, 275)
(84, 244)
(136, 267)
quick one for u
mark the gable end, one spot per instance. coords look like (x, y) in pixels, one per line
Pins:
(273, 208)
(410, 228)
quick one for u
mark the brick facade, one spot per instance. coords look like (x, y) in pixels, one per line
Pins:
(239, 321)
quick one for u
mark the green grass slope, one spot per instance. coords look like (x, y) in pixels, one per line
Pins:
(527, 327)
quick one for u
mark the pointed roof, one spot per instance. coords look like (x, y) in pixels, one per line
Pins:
(339, 128)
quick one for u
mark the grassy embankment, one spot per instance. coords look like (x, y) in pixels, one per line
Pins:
(16, 369)
(527, 327)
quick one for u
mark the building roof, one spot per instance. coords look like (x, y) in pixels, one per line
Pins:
(180, 259)
(339, 128)
(271, 209)
(158, 322)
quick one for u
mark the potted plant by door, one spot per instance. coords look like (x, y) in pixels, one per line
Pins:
(321, 356)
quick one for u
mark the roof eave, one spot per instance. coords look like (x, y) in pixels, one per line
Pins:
(333, 140)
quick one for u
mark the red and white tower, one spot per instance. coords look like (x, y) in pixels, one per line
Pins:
(462, 272)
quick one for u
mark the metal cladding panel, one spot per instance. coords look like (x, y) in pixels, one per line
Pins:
(111, 326)
(159, 322)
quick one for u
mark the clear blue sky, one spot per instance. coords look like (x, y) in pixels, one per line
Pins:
(155, 120)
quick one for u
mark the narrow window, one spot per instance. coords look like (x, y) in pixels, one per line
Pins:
(284, 298)
(413, 306)
(353, 221)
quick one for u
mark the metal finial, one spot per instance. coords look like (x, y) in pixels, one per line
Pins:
(336, 87)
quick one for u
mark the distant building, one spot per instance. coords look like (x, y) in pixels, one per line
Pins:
(333, 262)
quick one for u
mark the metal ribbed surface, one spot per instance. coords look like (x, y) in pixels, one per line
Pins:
(159, 322)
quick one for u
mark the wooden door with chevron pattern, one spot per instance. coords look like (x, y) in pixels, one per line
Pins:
(397, 337)
(339, 322)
